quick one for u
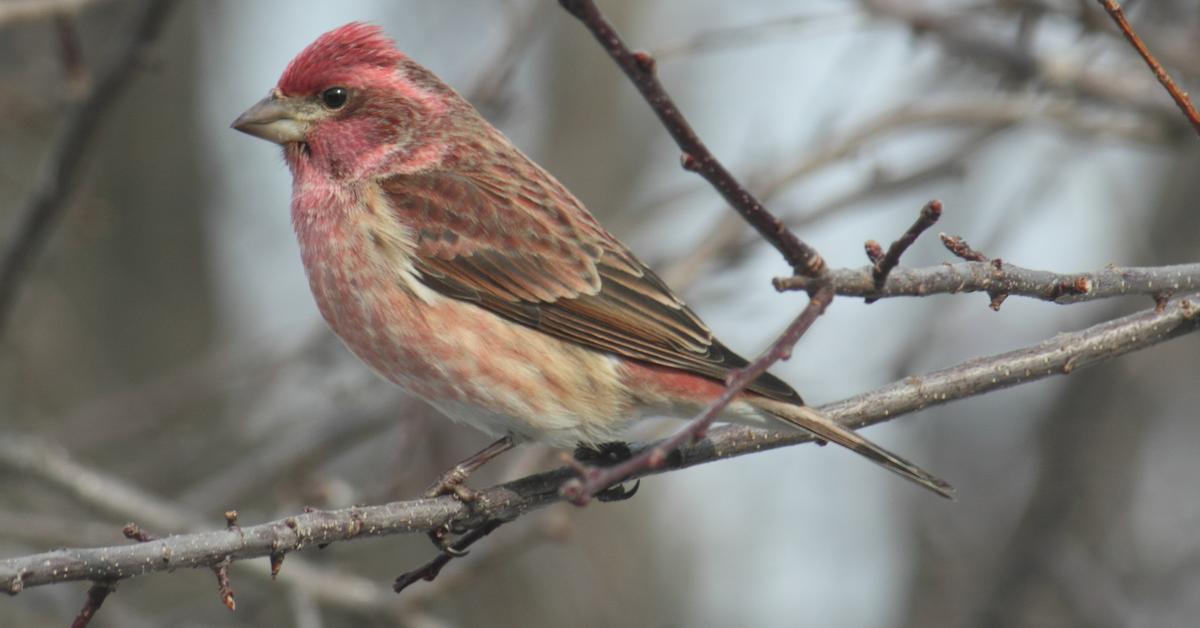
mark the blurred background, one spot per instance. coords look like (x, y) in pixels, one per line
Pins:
(165, 339)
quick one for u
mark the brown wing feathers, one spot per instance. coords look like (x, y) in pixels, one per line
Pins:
(565, 277)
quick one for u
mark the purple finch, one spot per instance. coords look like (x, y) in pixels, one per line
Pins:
(459, 269)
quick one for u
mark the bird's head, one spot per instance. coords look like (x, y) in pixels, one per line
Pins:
(351, 104)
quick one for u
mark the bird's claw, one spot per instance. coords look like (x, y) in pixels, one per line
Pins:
(618, 493)
(440, 536)
(608, 455)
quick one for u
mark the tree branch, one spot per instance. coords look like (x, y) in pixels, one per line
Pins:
(1060, 355)
(997, 278)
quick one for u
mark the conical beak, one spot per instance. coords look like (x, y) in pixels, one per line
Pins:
(273, 120)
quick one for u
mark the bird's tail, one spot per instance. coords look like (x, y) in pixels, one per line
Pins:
(810, 420)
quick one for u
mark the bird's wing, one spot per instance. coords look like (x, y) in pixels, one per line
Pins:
(530, 253)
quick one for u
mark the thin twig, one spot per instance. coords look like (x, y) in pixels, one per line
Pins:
(95, 597)
(959, 247)
(62, 170)
(1002, 278)
(1061, 355)
(224, 588)
(639, 67)
(1178, 95)
(884, 265)
(430, 570)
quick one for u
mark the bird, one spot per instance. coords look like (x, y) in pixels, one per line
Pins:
(456, 267)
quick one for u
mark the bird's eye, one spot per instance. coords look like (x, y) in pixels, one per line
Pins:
(335, 97)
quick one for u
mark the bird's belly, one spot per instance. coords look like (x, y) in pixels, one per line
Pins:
(474, 366)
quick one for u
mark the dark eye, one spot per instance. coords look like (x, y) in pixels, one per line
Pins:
(335, 97)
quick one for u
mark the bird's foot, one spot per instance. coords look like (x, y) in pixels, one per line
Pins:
(607, 455)
(453, 482)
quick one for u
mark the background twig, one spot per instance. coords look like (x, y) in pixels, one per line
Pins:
(63, 166)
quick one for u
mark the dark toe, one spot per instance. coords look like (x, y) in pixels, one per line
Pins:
(618, 493)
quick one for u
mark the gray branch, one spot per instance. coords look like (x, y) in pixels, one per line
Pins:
(1057, 356)
(1008, 279)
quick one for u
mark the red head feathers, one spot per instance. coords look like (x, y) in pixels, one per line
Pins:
(346, 55)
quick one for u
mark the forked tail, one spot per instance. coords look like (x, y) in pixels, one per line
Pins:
(812, 421)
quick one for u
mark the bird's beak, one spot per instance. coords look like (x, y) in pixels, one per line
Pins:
(272, 119)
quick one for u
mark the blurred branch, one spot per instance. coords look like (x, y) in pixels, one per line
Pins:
(997, 278)
(20, 10)
(997, 110)
(63, 167)
(752, 34)
(1178, 95)
(489, 89)
(1060, 355)
(990, 48)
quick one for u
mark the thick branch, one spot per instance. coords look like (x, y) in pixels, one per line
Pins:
(63, 166)
(1058, 356)
(1008, 279)
(639, 67)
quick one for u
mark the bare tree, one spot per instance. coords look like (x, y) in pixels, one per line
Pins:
(1051, 553)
